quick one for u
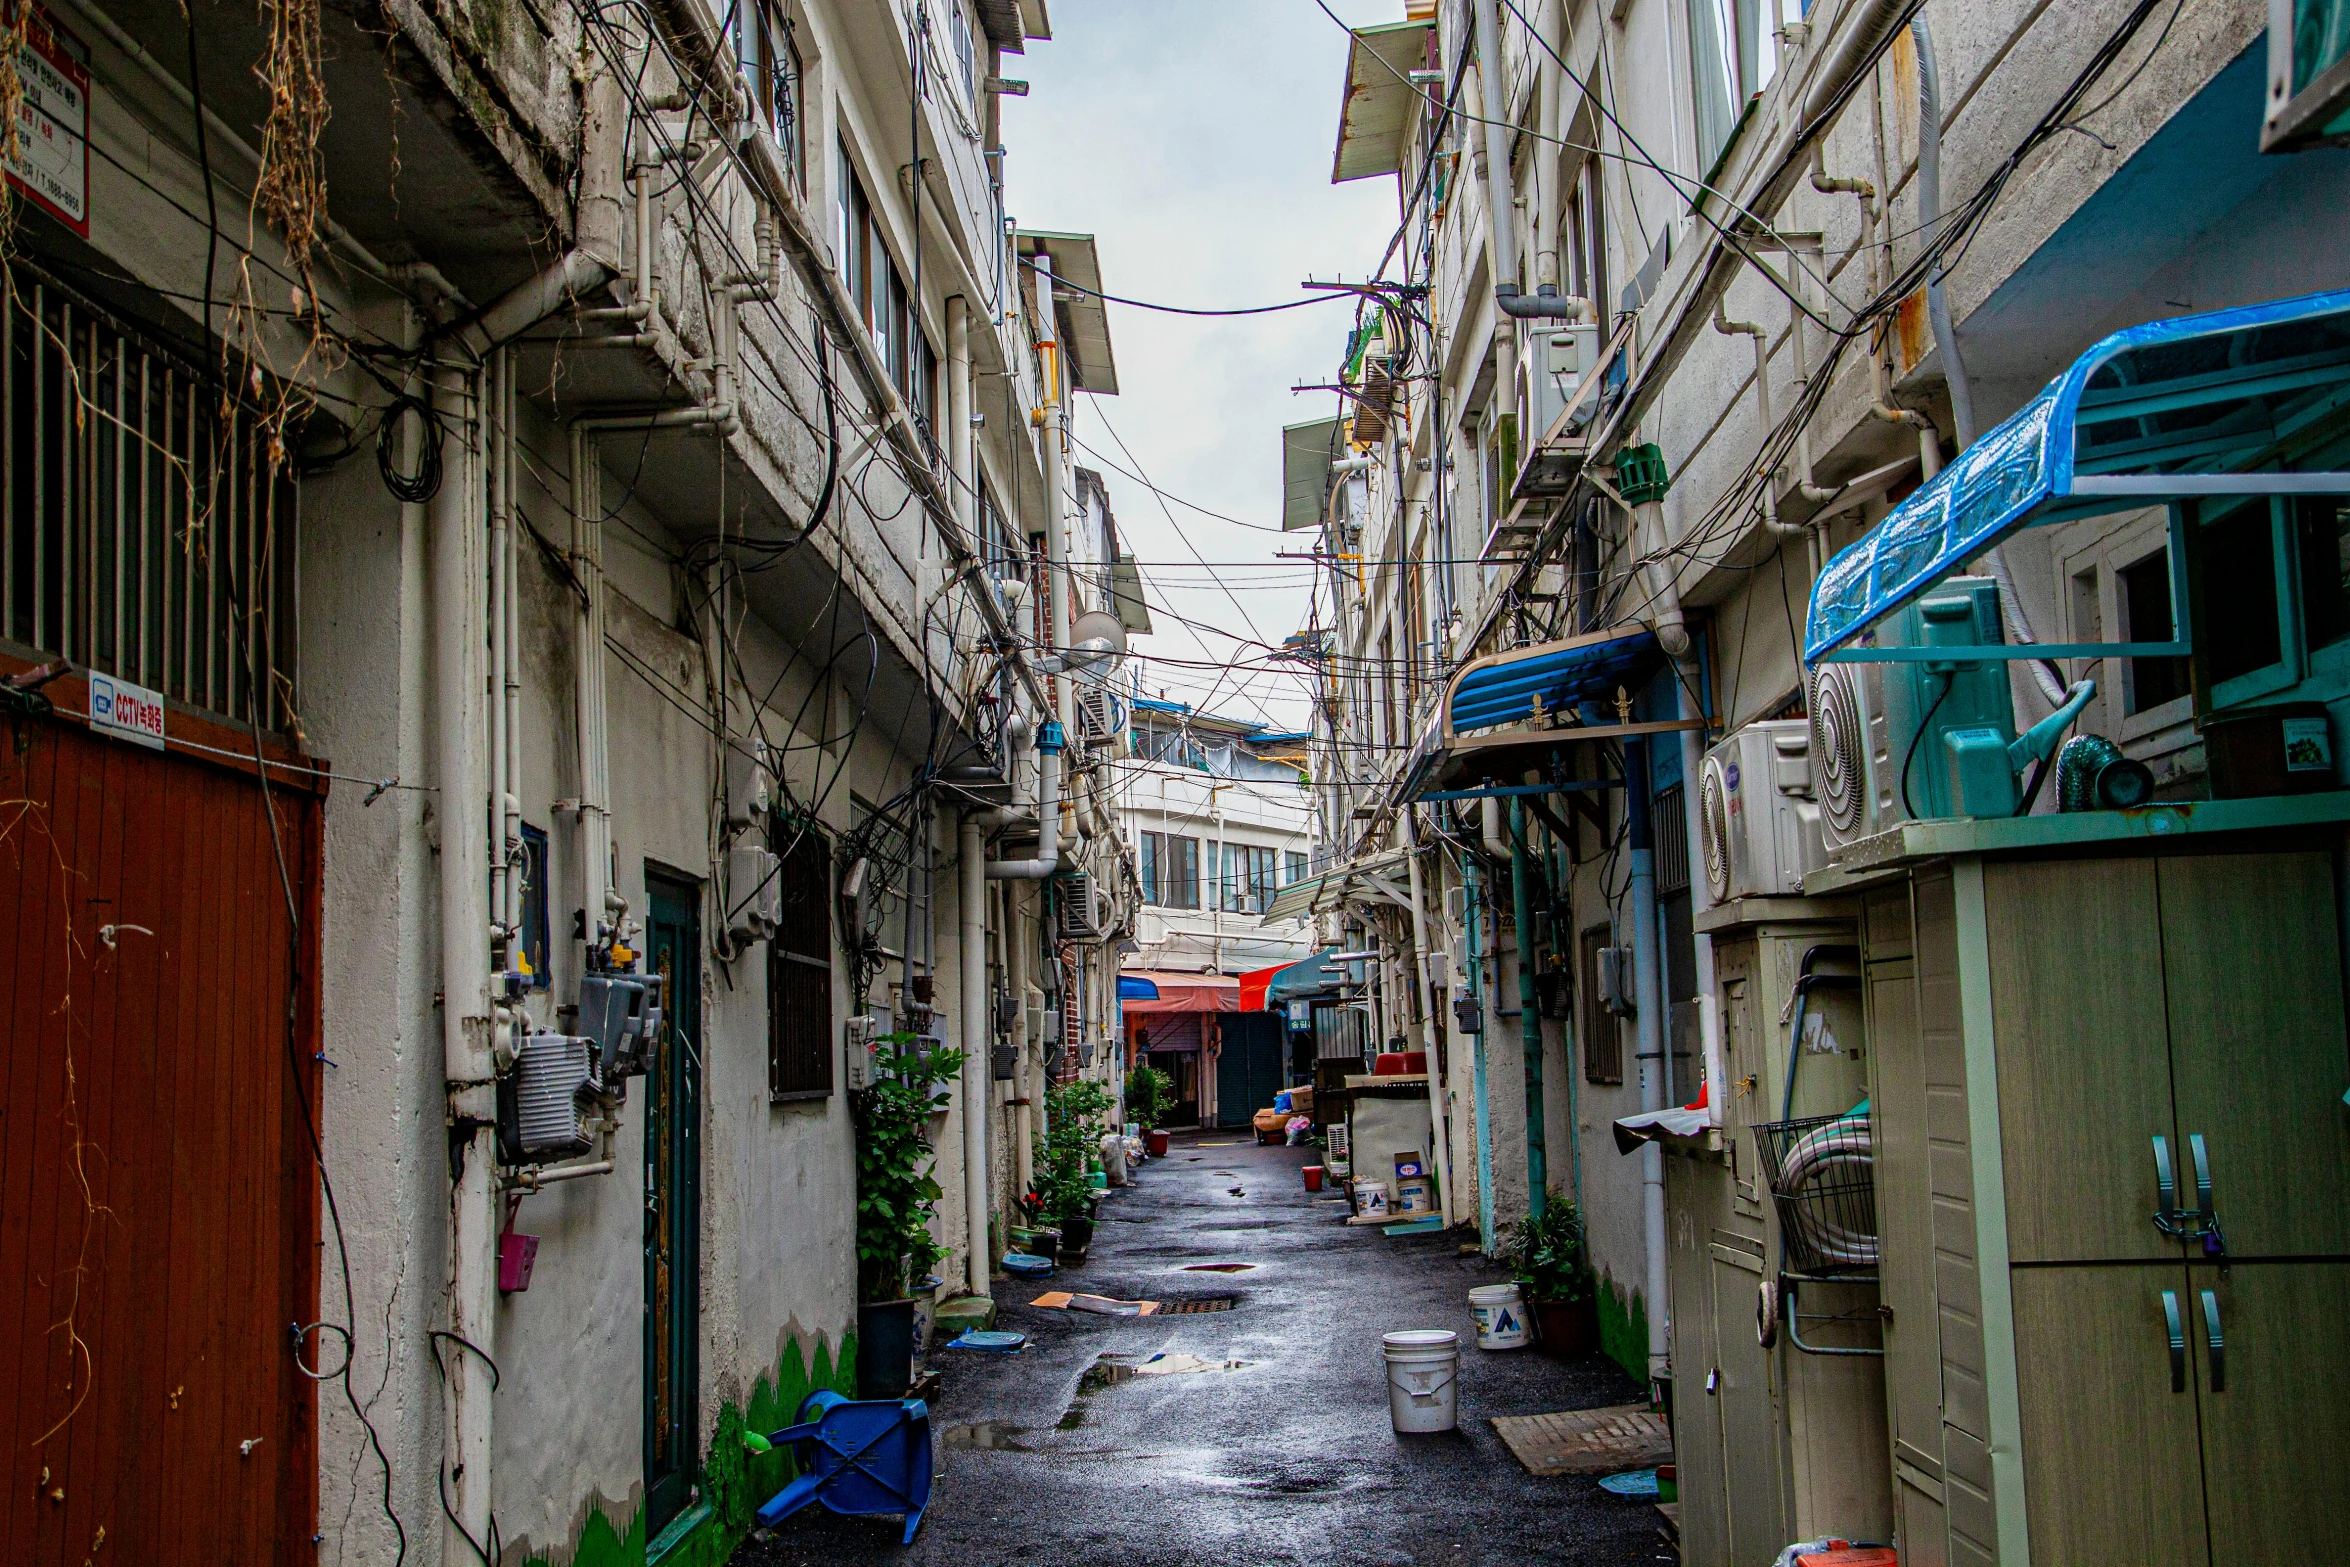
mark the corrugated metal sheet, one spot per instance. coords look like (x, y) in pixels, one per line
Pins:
(1380, 100)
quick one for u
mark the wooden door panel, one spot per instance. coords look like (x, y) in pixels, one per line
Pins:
(160, 1228)
(2277, 1424)
(2109, 1448)
(2258, 1049)
(2084, 1064)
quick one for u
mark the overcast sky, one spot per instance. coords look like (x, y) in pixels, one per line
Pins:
(1194, 138)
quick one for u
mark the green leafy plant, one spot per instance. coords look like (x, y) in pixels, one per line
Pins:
(1547, 1254)
(1150, 1094)
(897, 1194)
(1074, 1116)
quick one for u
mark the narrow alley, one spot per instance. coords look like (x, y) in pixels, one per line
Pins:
(1051, 1455)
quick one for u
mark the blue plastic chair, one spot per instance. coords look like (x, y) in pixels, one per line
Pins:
(857, 1458)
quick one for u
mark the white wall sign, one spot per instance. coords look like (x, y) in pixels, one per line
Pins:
(128, 712)
(52, 164)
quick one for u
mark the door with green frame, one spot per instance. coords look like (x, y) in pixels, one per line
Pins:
(673, 1202)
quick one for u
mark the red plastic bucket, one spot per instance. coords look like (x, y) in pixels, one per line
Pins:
(1313, 1177)
(1156, 1141)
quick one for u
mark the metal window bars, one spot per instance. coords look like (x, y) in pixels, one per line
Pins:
(1822, 1175)
(139, 517)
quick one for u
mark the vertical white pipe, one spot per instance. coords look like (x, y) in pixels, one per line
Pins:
(509, 697)
(499, 646)
(978, 1070)
(1438, 1110)
(1648, 980)
(587, 555)
(959, 445)
(468, 1026)
(1701, 894)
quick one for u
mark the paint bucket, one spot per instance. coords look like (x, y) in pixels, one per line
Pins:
(1370, 1196)
(1501, 1316)
(1313, 1174)
(1423, 1377)
(1412, 1197)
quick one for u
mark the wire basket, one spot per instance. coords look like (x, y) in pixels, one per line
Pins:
(1823, 1177)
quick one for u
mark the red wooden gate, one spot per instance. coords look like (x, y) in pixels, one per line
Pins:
(158, 1199)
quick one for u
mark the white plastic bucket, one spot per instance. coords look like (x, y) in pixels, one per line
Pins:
(1412, 1197)
(1423, 1378)
(1371, 1196)
(1500, 1314)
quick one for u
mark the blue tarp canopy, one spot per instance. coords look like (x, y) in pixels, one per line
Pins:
(2228, 403)
(1133, 988)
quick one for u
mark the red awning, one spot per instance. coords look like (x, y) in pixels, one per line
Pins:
(1185, 993)
(1252, 987)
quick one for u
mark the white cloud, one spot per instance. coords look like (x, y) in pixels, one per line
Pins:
(1194, 138)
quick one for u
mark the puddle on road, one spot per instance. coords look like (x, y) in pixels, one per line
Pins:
(1110, 1370)
(987, 1435)
(1218, 1267)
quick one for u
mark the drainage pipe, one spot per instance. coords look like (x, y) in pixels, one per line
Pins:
(978, 1070)
(1473, 873)
(1546, 303)
(1434, 1030)
(1051, 417)
(1529, 1015)
(469, 1022)
(1762, 398)
(1648, 1009)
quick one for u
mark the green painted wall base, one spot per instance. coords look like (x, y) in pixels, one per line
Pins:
(1623, 1328)
(734, 1481)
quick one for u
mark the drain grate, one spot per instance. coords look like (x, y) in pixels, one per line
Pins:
(1179, 1308)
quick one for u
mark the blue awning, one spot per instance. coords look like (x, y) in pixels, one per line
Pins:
(1131, 988)
(2215, 404)
(1536, 692)
(1549, 677)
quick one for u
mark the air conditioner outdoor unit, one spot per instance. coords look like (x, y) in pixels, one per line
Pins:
(1085, 911)
(1102, 719)
(1878, 750)
(1760, 825)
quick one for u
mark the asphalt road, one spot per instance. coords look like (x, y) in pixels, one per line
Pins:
(1048, 1456)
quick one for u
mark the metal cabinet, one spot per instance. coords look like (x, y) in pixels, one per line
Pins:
(2114, 1200)
(1773, 1444)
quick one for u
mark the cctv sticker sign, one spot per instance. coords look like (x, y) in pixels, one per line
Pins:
(125, 711)
(52, 162)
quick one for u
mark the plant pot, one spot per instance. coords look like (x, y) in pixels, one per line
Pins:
(1076, 1236)
(1045, 1243)
(885, 1349)
(1156, 1141)
(1567, 1328)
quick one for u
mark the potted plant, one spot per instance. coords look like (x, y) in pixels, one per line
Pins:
(1062, 1196)
(1150, 1093)
(1546, 1252)
(897, 1195)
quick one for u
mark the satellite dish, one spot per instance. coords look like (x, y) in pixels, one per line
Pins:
(1097, 641)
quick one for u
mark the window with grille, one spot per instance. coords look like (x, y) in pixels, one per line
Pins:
(1603, 1046)
(144, 532)
(799, 967)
